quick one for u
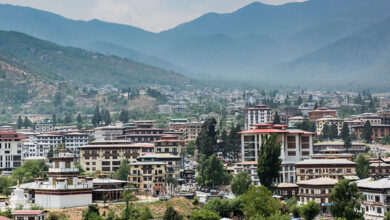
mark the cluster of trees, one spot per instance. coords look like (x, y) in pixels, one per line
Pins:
(101, 116)
(157, 95)
(306, 125)
(124, 116)
(330, 131)
(26, 123)
(231, 142)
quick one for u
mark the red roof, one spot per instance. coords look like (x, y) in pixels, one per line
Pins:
(27, 212)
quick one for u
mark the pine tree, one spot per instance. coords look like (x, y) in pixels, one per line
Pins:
(347, 143)
(68, 118)
(276, 118)
(345, 132)
(97, 118)
(207, 138)
(315, 106)
(19, 124)
(367, 131)
(79, 119)
(106, 118)
(27, 123)
(124, 116)
(333, 132)
(325, 131)
(269, 161)
(54, 119)
(299, 101)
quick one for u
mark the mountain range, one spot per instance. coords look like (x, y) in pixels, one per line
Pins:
(302, 43)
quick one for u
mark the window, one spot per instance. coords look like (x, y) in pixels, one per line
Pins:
(67, 164)
(292, 153)
(70, 181)
(379, 210)
(377, 199)
(57, 164)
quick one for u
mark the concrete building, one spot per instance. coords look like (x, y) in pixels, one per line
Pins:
(379, 131)
(296, 145)
(321, 112)
(74, 140)
(107, 133)
(106, 156)
(173, 163)
(43, 127)
(376, 197)
(142, 133)
(64, 188)
(371, 117)
(192, 130)
(385, 116)
(287, 190)
(249, 167)
(148, 176)
(28, 215)
(317, 190)
(164, 109)
(320, 123)
(329, 168)
(47, 141)
(294, 120)
(10, 151)
(259, 114)
(337, 147)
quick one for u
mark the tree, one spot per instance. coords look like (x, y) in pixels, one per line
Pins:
(30, 170)
(106, 117)
(204, 214)
(123, 170)
(325, 131)
(310, 210)
(54, 119)
(19, 124)
(241, 183)
(333, 131)
(386, 140)
(315, 106)
(79, 119)
(190, 148)
(362, 166)
(367, 131)
(225, 207)
(347, 144)
(5, 183)
(91, 213)
(212, 172)
(207, 138)
(124, 116)
(27, 123)
(97, 118)
(276, 118)
(346, 199)
(345, 132)
(172, 214)
(268, 165)
(68, 118)
(387, 217)
(259, 200)
(299, 101)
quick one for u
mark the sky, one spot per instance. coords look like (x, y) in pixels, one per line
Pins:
(151, 15)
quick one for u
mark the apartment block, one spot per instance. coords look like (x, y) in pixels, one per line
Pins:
(258, 114)
(329, 168)
(10, 151)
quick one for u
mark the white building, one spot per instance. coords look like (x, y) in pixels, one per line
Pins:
(257, 115)
(75, 140)
(296, 145)
(164, 109)
(47, 141)
(249, 167)
(44, 127)
(376, 197)
(107, 133)
(296, 119)
(64, 188)
(10, 151)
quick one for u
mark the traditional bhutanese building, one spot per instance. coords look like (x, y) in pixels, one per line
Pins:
(64, 188)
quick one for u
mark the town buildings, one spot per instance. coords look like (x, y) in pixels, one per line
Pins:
(74, 140)
(321, 112)
(376, 200)
(47, 141)
(257, 115)
(43, 127)
(294, 120)
(106, 156)
(296, 145)
(149, 176)
(379, 131)
(107, 133)
(316, 189)
(337, 147)
(249, 167)
(142, 133)
(10, 151)
(330, 168)
(328, 120)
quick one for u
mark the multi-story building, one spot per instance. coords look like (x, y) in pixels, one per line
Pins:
(338, 147)
(379, 131)
(172, 145)
(148, 176)
(106, 156)
(259, 114)
(330, 168)
(378, 169)
(10, 151)
(75, 140)
(286, 191)
(249, 167)
(371, 117)
(296, 145)
(47, 141)
(142, 133)
(321, 112)
(173, 163)
(294, 120)
(320, 123)
(376, 195)
(192, 130)
(107, 133)
(164, 109)
(385, 116)
(43, 127)
(317, 190)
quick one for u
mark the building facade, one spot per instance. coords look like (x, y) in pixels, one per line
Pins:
(376, 194)
(10, 151)
(296, 145)
(259, 114)
(329, 168)
(148, 176)
(321, 112)
(328, 120)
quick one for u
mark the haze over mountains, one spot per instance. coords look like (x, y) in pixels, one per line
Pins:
(341, 41)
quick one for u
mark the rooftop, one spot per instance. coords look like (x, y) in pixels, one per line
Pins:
(323, 181)
(374, 184)
(325, 161)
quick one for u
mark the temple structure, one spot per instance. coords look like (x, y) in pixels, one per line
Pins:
(64, 188)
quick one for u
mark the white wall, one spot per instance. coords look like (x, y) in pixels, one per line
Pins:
(63, 201)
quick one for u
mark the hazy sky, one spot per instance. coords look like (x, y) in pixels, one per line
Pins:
(152, 15)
